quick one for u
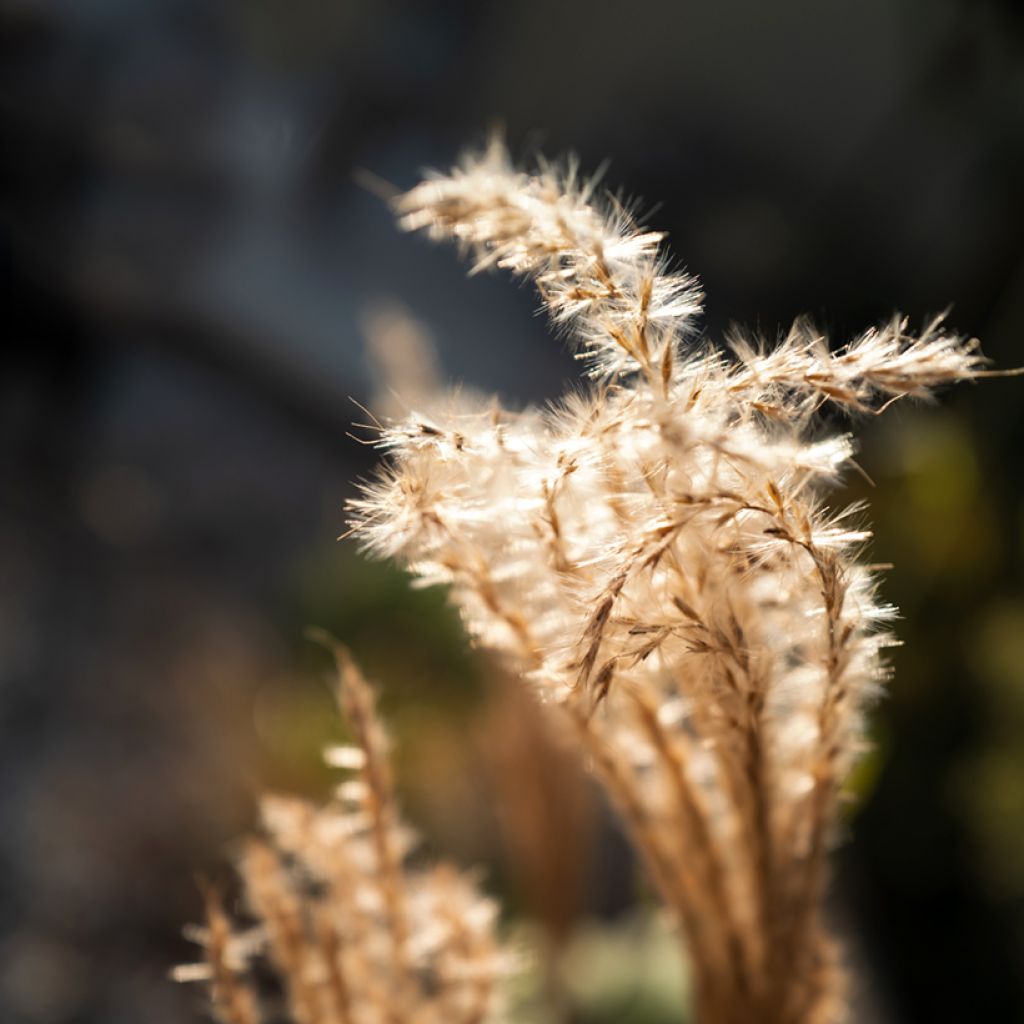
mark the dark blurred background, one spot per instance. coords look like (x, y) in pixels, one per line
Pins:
(187, 255)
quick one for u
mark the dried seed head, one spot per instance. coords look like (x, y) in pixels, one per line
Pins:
(663, 542)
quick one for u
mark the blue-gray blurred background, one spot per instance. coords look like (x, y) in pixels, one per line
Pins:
(188, 250)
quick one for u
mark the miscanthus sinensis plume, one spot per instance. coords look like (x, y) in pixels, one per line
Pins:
(656, 559)
(343, 927)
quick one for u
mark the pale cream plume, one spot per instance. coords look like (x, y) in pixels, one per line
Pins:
(655, 558)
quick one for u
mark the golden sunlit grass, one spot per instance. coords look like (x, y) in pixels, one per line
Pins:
(655, 560)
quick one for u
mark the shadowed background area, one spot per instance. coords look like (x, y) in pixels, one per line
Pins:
(188, 259)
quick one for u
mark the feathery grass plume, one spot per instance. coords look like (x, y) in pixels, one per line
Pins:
(596, 270)
(656, 558)
(350, 931)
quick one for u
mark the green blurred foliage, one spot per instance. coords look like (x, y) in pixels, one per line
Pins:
(625, 971)
(945, 825)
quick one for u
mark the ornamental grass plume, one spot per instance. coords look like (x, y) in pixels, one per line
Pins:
(654, 559)
(345, 930)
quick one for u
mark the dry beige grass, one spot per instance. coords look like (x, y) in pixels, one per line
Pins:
(352, 933)
(655, 560)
